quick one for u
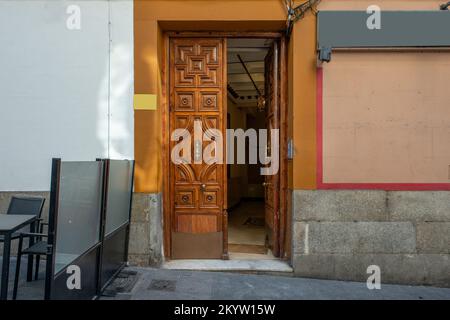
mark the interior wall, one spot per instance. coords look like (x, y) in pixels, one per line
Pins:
(255, 189)
(63, 93)
(245, 180)
(237, 181)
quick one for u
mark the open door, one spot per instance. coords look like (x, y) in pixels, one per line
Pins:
(272, 182)
(197, 188)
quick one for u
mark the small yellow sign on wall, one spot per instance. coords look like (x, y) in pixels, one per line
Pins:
(145, 102)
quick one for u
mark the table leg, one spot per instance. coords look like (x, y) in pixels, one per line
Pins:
(5, 267)
(30, 256)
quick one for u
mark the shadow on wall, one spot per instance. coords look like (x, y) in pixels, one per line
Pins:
(62, 93)
(116, 134)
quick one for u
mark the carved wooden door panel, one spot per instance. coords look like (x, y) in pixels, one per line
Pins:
(197, 186)
(271, 183)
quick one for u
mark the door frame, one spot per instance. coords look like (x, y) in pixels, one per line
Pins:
(165, 138)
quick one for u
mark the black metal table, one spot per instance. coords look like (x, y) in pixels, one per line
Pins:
(10, 223)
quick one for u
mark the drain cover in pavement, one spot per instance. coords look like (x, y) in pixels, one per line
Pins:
(123, 283)
(162, 285)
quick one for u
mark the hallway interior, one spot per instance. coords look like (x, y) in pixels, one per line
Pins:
(246, 231)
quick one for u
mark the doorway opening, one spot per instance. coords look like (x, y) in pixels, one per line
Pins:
(251, 106)
(203, 213)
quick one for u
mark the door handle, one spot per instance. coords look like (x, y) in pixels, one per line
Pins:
(266, 184)
(203, 187)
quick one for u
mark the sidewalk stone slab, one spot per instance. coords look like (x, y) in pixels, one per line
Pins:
(195, 285)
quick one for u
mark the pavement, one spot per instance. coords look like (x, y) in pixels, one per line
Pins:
(159, 284)
(33, 290)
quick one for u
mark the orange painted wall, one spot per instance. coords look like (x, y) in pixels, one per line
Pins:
(147, 123)
(151, 18)
(302, 102)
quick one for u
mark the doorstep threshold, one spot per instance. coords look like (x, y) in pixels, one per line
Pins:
(247, 266)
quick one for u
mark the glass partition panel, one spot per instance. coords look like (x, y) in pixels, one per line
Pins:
(119, 194)
(79, 210)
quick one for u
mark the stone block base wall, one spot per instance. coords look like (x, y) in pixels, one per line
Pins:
(338, 234)
(146, 230)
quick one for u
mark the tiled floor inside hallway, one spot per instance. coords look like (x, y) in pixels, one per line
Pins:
(246, 231)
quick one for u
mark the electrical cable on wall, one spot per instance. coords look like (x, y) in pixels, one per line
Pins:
(444, 6)
(296, 13)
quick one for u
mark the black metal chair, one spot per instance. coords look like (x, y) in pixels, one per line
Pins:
(38, 248)
(26, 206)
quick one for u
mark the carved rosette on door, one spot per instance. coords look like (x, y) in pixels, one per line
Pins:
(197, 188)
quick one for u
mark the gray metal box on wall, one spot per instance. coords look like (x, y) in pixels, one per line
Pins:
(349, 29)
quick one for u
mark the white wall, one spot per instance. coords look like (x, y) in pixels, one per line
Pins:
(62, 93)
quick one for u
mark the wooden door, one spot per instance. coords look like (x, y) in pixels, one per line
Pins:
(197, 189)
(272, 182)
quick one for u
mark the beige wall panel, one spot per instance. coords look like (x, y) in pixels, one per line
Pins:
(386, 117)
